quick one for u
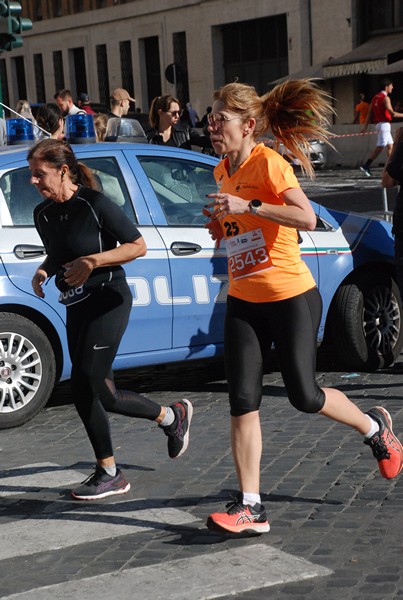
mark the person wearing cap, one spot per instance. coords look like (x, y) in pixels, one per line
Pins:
(120, 103)
(64, 100)
(83, 102)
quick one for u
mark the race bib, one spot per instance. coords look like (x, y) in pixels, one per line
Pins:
(247, 254)
(74, 295)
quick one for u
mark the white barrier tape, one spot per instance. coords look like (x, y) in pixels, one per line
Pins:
(342, 135)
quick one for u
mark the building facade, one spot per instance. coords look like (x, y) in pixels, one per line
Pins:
(189, 47)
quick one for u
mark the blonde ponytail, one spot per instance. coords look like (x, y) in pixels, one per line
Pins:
(298, 111)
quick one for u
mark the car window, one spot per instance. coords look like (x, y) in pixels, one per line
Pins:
(111, 182)
(18, 197)
(181, 187)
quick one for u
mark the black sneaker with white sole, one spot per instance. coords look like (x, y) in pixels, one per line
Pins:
(101, 485)
(178, 432)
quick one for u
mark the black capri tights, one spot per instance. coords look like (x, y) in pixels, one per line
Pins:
(95, 328)
(251, 328)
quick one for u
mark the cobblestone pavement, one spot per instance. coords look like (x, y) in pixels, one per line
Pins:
(349, 189)
(326, 500)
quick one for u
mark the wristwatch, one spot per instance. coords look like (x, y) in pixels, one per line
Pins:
(254, 206)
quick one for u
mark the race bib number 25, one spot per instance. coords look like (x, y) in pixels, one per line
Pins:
(247, 254)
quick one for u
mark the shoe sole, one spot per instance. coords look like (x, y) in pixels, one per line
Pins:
(104, 495)
(186, 436)
(389, 422)
(256, 528)
(365, 172)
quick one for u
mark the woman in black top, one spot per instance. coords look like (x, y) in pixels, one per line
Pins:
(167, 128)
(81, 229)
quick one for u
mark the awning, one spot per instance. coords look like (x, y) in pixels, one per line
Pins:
(367, 58)
(395, 67)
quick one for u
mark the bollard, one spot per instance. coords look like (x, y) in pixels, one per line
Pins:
(385, 200)
(388, 216)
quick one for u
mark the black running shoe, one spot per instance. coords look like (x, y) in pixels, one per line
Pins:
(385, 446)
(100, 485)
(366, 171)
(240, 518)
(178, 432)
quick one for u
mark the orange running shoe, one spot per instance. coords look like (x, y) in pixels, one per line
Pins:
(385, 446)
(240, 518)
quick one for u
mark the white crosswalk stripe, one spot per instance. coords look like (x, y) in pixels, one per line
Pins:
(33, 478)
(77, 523)
(207, 576)
(64, 525)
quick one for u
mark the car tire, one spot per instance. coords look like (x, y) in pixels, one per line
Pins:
(366, 322)
(27, 370)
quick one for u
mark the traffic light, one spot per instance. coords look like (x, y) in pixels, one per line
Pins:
(12, 25)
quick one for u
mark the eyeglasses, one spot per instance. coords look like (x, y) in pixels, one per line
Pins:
(174, 113)
(217, 120)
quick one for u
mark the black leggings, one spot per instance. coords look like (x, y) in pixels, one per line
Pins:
(95, 328)
(251, 328)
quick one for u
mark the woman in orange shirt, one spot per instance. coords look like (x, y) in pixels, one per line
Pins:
(258, 208)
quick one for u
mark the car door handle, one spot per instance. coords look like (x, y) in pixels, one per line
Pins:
(184, 248)
(25, 251)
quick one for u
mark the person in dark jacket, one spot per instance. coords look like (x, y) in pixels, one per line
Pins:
(168, 130)
(393, 176)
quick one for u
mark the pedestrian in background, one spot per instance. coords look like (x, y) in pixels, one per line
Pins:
(273, 298)
(83, 102)
(392, 176)
(3, 132)
(64, 100)
(23, 108)
(87, 238)
(193, 116)
(100, 124)
(167, 130)
(120, 103)
(381, 113)
(49, 117)
(203, 121)
(361, 110)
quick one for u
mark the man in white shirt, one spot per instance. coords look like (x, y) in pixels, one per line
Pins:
(64, 100)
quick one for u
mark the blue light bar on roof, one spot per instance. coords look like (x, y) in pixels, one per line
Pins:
(19, 131)
(79, 129)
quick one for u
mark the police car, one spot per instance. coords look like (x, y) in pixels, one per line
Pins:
(179, 288)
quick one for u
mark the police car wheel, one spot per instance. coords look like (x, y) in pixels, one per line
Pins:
(27, 370)
(366, 322)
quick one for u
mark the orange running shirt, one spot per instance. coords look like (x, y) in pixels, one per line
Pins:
(362, 108)
(264, 261)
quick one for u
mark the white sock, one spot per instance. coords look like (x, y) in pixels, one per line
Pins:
(169, 417)
(374, 427)
(110, 470)
(249, 498)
